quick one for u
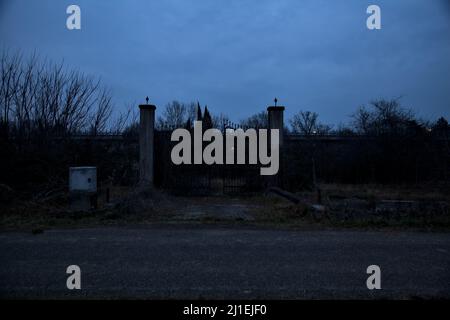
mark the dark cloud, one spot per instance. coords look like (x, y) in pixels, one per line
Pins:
(3, 6)
(446, 5)
(238, 55)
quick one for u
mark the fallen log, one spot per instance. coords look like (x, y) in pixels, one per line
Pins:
(285, 194)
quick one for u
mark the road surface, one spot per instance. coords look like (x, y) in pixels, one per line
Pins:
(224, 262)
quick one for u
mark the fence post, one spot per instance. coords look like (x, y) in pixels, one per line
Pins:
(276, 121)
(146, 144)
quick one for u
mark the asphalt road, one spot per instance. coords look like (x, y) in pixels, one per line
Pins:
(223, 262)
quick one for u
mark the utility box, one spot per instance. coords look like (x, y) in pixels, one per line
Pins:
(83, 188)
(83, 179)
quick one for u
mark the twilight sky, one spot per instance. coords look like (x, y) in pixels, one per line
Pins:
(237, 55)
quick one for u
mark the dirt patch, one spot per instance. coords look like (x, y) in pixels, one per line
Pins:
(342, 206)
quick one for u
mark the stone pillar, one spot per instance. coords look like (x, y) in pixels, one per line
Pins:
(146, 144)
(276, 121)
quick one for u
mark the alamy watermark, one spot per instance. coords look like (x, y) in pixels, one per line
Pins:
(374, 280)
(235, 144)
(74, 280)
(373, 22)
(73, 21)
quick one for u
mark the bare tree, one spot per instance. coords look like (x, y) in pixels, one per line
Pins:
(383, 117)
(40, 99)
(258, 120)
(103, 112)
(362, 120)
(306, 123)
(10, 72)
(127, 121)
(176, 114)
(25, 97)
(220, 121)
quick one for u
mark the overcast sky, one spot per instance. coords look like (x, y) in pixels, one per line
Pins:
(237, 55)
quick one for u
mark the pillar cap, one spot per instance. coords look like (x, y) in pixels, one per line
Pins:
(147, 107)
(275, 108)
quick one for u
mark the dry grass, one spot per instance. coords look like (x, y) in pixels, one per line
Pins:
(133, 208)
(428, 192)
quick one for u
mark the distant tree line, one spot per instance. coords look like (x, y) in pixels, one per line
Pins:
(40, 98)
(182, 115)
(380, 118)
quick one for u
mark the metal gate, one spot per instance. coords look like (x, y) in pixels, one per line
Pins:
(202, 179)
